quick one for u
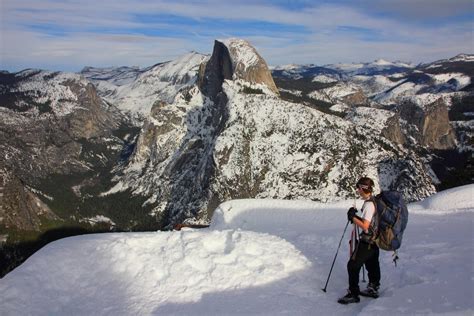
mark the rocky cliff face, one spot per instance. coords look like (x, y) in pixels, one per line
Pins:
(235, 59)
(357, 98)
(248, 65)
(44, 115)
(393, 130)
(429, 124)
(216, 70)
(20, 208)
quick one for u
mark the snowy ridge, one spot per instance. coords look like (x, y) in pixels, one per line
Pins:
(377, 66)
(50, 88)
(324, 78)
(399, 92)
(457, 58)
(463, 57)
(186, 128)
(458, 199)
(385, 82)
(375, 118)
(372, 85)
(161, 82)
(332, 94)
(116, 76)
(259, 257)
(290, 67)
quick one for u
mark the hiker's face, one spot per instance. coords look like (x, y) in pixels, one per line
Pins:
(362, 193)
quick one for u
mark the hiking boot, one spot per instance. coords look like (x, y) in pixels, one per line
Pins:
(371, 291)
(349, 298)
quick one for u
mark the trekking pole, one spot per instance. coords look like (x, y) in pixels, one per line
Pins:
(332, 266)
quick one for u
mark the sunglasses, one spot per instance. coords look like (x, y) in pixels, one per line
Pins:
(362, 186)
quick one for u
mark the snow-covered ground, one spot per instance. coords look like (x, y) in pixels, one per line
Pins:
(259, 257)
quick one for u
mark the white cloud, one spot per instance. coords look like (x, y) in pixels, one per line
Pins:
(33, 50)
(80, 33)
(421, 9)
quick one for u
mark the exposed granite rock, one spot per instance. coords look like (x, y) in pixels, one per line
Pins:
(20, 208)
(358, 98)
(431, 122)
(393, 130)
(90, 119)
(217, 69)
(248, 65)
(235, 59)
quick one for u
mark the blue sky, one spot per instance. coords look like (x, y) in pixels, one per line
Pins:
(70, 34)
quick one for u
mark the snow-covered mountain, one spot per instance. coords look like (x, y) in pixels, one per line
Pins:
(116, 76)
(232, 138)
(377, 67)
(134, 91)
(389, 82)
(387, 85)
(142, 149)
(259, 257)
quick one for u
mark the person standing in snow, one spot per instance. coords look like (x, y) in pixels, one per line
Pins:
(366, 252)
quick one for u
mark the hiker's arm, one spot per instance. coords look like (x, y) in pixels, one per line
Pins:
(362, 223)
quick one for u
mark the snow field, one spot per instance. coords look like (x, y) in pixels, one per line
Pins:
(259, 257)
(102, 270)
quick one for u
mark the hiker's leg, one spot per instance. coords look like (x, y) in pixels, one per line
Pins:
(355, 264)
(373, 266)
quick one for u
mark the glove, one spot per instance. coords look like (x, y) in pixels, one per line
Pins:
(351, 213)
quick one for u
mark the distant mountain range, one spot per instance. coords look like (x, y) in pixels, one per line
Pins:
(144, 149)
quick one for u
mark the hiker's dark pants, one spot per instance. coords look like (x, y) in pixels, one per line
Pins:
(368, 255)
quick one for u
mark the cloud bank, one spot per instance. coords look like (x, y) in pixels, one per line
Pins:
(68, 35)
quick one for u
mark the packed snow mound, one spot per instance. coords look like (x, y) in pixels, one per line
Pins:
(251, 214)
(460, 199)
(110, 274)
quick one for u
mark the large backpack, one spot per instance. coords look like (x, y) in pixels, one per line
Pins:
(391, 220)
